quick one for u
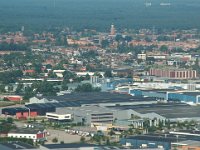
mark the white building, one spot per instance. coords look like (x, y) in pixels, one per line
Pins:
(29, 133)
(59, 116)
(142, 56)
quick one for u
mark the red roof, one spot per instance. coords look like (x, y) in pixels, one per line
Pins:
(29, 71)
(14, 98)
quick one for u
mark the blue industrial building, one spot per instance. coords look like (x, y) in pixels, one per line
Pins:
(148, 141)
(188, 97)
(169, 95)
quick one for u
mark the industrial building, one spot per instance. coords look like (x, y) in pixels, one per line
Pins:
(59, 116)
(82, 146)
(36, 109)
(148, 141)
(40, 105)
(171, 111)
(93, 98)
(122, 107)
(180, 140)
(88, 115)
(192, 97)
(20, 112)
(96, 115)
(16, 145)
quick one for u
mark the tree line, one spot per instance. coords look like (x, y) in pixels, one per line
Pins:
(4, 46)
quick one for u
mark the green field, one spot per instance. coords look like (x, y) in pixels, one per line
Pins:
(98, 14)
(4, 103)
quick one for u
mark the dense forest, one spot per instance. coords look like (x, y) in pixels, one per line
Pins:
(38, 15)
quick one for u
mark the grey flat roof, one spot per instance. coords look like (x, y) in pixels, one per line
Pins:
(86, 110)
(26, 130)
(169, 110)
(153, 138)
(165, 136)
(4, 147)
(158, 90)
(80, 145)
(14, 145)
(97, 97)
(70, 145)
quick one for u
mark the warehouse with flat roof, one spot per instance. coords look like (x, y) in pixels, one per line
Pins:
(192, 97)
(172, 111)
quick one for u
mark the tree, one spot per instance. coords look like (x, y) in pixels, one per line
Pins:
(82, 139)
(87, 87)
(61, 40)
(111, 133)
(13, 47)
(196, 65)
(55, 140)
(104, 43)
(46, 88)
(51, 74)
(160, 124)
(28, 93)
(107, 141)
(10, 76)
(108, 73)
(167, 122)
(87, 77)
(128, 39)
(97, 138)
(48, 41)
(164, 38)
(98, 74)
(68, 75)
(152, 129)
(177, 49)
(118, 38)
(146, 124)
(19, 88)
(10, 88)
(148, 39)
(2, 88)
(49, 66)
(10, 120)
(164, 48)
(37, 67)
(65, 43)
(64, 85)
(130, 130)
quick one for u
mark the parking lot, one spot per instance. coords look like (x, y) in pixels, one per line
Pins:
(63, 136)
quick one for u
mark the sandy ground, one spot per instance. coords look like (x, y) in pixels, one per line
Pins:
(62, 136)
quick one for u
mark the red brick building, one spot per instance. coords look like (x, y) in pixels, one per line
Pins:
(173, 73)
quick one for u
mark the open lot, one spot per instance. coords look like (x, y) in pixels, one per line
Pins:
(62, 136)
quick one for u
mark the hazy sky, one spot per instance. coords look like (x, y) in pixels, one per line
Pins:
(93, 13)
